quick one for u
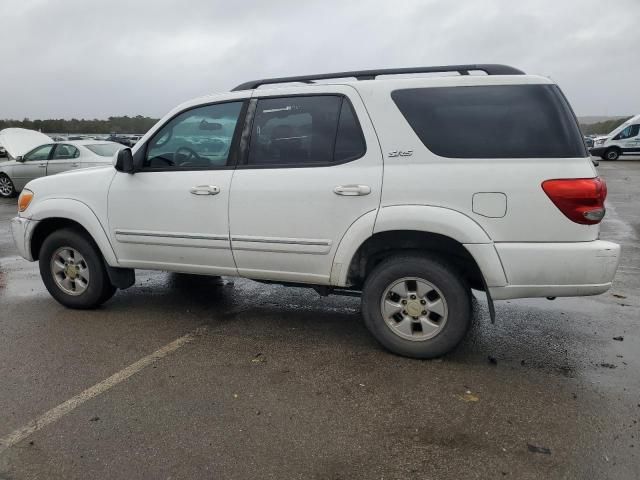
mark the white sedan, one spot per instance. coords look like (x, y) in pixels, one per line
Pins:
(33, 154)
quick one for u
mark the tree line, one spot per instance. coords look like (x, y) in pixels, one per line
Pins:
(602, 127)
(126, 124)
(140, 124)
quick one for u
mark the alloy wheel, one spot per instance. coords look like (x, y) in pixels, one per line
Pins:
(6, 187)
(414, 309)
(70, 271)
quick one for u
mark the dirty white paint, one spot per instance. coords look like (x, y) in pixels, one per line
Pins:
(68, 406)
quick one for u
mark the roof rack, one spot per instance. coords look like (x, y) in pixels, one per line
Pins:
(489, 69)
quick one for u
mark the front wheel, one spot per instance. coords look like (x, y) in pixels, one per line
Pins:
(416, 306)
(612, 154)
(72, 269)
(7, 188)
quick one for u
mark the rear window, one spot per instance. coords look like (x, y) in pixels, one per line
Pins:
(496, 121)
(104, 149)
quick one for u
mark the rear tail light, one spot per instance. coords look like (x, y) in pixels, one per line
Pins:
(580, 199)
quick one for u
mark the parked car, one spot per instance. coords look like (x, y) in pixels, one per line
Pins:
(407, 191)
(623, 140)
(121, 139)
(3, 152)
(588, 141)
(44, 159)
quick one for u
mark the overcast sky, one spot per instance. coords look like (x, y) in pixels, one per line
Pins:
(89, 58)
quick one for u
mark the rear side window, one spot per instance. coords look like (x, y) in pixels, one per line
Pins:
(304, 131)
(496, 121)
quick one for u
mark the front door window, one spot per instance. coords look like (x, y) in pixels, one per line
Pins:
(199, 138)
(38, 154)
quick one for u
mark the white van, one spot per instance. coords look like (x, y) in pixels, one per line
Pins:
(624, 140)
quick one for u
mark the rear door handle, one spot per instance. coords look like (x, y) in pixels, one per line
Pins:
(75, 165)
(352, 190)
(205, 190)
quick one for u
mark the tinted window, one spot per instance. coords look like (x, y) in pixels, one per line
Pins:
(104, 149)
(349, 141)
(304, 130)
(64, 152)
(505, 121)
(40, 153)
(198, 138)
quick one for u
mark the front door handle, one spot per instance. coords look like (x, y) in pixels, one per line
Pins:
(352, 190)
(205, 190)
(42, 165)
(75, 165)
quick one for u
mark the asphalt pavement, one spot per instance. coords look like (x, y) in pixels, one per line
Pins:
(189, 377)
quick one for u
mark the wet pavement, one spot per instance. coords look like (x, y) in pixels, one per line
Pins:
(281, 383)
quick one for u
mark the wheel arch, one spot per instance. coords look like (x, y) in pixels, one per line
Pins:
(53, 214)
(381, 245)
(450, 234)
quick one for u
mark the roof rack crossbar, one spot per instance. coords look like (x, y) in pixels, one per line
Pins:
(489, 69)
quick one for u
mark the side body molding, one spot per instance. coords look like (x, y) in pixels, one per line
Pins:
(78, 212)
(424, 218)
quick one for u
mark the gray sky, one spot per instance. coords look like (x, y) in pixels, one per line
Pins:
(90, 58)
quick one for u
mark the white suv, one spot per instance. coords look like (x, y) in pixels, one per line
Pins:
(407, 191)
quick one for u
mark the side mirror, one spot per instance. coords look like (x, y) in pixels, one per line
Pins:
(19, 158)
(124, 161)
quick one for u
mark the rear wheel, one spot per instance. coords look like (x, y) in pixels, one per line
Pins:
(416, 306)
(72, 269)
(6, 186)
(612, 154)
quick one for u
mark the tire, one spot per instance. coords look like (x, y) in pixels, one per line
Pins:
(84, 287)
(611, 154)
(447, 303)
(7, 189)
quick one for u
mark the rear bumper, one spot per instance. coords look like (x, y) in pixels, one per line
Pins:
(22, 230)
(556, 269)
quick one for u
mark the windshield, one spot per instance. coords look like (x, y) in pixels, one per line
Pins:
(104, 149)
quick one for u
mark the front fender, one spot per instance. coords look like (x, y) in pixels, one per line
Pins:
(79, 212)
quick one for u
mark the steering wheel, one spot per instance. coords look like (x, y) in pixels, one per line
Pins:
(191, 155)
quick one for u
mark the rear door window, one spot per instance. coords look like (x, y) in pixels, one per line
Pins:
(305, 131)
(65, 152)
(495, 121)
